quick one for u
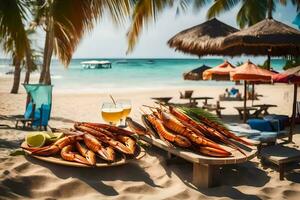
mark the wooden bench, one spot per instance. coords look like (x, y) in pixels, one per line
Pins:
(280, 155)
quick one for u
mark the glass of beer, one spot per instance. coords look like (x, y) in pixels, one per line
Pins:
(126, 105)
(111, 113)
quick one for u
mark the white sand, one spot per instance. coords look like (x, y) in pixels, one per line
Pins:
(150, 178)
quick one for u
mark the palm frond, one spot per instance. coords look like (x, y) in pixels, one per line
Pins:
(182, 6)
(251, 12)
(12, 27)
(297, 3)
(282, 2)
(220, 6)
(145, 11)
(200, 3)
(73, 18)
(118, 10)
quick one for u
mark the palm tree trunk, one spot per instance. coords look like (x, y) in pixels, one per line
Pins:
(270, 9)
(27, 76)
(29, 64)
(45, 76)
(17, 77)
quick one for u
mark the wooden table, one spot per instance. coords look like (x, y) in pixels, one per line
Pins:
(216, 108)
(164, 100)
(263, 108)
(248, 109)
(194, 99)
(206, 170)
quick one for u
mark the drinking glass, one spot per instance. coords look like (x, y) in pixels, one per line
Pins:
(126, 105)
(111, 113)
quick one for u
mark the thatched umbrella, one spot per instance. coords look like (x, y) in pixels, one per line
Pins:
(267, 37)
(203, 39)
(220, 72)
(250, 72)
(195, 74)
(290, 76)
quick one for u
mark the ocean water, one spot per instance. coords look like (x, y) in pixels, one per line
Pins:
(134, 74)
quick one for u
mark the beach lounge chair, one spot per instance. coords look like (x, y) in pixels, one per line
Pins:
(270, 130)
(187, 94)
(28, 118)
(280, 155)
(283, 120)
(232, 95)
(38, 110)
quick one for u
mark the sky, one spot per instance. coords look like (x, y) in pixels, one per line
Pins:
(108, 41)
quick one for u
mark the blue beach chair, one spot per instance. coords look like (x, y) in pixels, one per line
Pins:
(38, 111)
(270, 129)
(28, 116)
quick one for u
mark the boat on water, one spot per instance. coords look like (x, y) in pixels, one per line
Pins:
(150, 61)
(122, 61)
(96, 64)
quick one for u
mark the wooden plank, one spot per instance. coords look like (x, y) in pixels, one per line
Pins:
(197, 158)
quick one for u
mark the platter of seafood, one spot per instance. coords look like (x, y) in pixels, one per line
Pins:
(193, 134)
(89, 145)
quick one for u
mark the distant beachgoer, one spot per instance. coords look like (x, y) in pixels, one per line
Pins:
(227, 93)
(234, 91)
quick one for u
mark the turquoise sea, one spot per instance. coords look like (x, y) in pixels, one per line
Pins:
(132, 74)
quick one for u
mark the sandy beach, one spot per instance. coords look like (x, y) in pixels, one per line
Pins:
(152, 177)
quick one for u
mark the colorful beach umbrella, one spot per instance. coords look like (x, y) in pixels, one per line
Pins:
(249, 72)
(220, 72)
(195, 74)
(290, 76)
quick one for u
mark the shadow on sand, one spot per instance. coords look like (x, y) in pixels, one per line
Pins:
(62, 119)
(10, 144)
(95, 177)
(239, 174)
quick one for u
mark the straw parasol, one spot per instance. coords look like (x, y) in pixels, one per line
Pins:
(203, 39)
(267, 37)
(250, 72)
(195, 74)
(290, 76)
(220, 72)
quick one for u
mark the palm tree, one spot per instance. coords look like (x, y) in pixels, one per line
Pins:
(13, 38)
(65, 23)
(146, 11)
(250, 12)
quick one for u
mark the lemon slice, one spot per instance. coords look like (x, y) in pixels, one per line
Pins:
(35, 139)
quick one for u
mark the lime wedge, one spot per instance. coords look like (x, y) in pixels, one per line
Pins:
(59, 135)
(56, 136)
(47, 135)
(35, 139)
